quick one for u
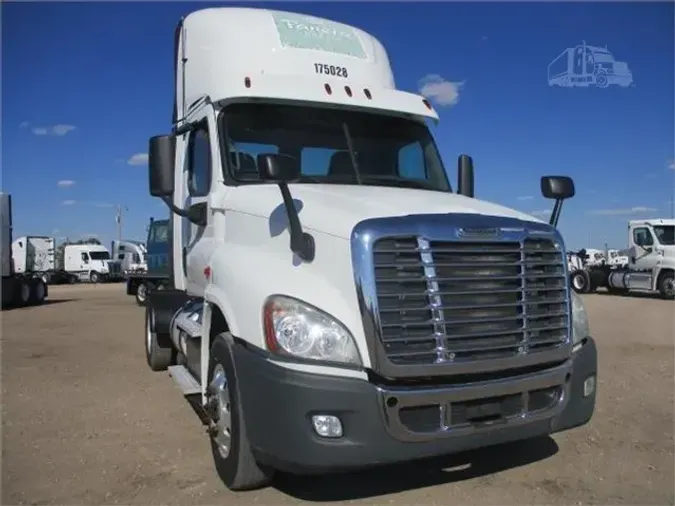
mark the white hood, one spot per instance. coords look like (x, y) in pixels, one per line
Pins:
(336, 209)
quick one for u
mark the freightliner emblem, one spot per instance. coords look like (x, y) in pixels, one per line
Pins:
(478, 232)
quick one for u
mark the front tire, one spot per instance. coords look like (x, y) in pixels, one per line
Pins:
(141, 293)
(667, 286)
(231, 449)
(580, 281)
(95, 277)
(159, 357)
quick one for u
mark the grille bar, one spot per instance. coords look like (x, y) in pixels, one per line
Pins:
(445, 301)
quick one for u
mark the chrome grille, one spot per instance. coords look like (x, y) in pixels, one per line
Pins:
(445, 301)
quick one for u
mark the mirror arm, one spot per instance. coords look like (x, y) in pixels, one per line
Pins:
(183, 213)
(302, 243)
(555, 214)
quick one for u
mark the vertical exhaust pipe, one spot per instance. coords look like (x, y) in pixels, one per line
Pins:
(465, 176)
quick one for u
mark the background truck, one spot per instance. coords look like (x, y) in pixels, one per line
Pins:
(650, 267)
(156, 275)
(585, 65)
(90, 262)
(130, 254)
(19, 288)
(335, 305)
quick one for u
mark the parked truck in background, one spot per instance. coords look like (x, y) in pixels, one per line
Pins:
(90, 262)
(156, 276)
(19, 287)
(650, 267)
(130, 254)
(335, 305)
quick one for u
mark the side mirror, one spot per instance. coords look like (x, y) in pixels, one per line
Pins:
(557, 187)
(465, 176)
(161, 159)
(278, 168)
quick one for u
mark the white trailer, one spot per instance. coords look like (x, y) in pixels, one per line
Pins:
(19, 288)
(650, 266)
(336, 304)
(90, 262)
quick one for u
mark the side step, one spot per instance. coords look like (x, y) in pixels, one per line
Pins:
(185, 380)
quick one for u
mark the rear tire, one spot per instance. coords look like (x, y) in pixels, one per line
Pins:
(23, 293)
(667, 286)
(38, 291)
(159, 357)
(234, 462)
(580, 281)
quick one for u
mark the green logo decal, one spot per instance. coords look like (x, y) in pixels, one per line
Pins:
(308, 32)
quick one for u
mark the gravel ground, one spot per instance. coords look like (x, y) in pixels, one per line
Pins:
(84, 421)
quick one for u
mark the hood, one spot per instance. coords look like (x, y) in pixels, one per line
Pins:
(336, 209)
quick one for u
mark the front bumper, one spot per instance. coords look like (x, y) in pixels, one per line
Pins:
(278, 404)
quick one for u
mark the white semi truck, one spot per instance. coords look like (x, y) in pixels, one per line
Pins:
(650, 267)
(20, 287)
(335, 304)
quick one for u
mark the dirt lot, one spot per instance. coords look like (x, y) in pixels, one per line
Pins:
(86, 422)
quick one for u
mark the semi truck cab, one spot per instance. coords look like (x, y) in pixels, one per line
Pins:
(337, 303)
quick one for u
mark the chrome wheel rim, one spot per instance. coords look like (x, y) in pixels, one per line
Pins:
(222, 433)
(141, 292)
(669, 287)
(578, 282)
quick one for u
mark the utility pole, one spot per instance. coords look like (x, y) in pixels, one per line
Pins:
(118, 219)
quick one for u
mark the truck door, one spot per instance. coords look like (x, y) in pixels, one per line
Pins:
(198, 172)
(643, 254)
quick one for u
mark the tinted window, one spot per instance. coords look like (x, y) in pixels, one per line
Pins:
(665, 234)
(199, 162)
(642, 237)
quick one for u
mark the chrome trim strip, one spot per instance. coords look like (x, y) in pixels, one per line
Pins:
(444, 227)
(408, 397)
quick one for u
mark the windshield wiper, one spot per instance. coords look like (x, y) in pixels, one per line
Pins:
(352, 154)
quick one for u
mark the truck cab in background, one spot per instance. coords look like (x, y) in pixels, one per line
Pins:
(156, 274)
(649, 268)
(335, 304)
(90, 262)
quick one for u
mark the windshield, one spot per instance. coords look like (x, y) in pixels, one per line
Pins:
(665, 234)
(159, 232)
(333, 146)
(99, 255)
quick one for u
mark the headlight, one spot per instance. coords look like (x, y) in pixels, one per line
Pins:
(296, 329)
(580, 326)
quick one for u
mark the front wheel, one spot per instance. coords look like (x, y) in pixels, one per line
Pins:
(158, 356)
(580, 281)
(232, 455)
(667, 286)
(95, 277)
(141, 293)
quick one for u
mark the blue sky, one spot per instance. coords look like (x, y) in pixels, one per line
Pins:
(85, 84)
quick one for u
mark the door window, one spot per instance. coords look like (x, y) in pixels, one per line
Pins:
(199, 161)
(643, 237)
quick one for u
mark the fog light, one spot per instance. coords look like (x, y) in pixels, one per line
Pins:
(327, 425)
(589, 386)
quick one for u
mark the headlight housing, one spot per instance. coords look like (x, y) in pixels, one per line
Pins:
(296, 329)
(580, 326)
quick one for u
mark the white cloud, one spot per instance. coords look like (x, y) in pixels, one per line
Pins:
(55, 231)
(441, 91)
(651, 175)
(68, 203)
(89, 236)
(24, 124)
(65, 183)
(525, 197)
(58, 130)
(671, 164)
(622, 212)
(483, 37)
(103, 205)
(138, 159)
(540, 213)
